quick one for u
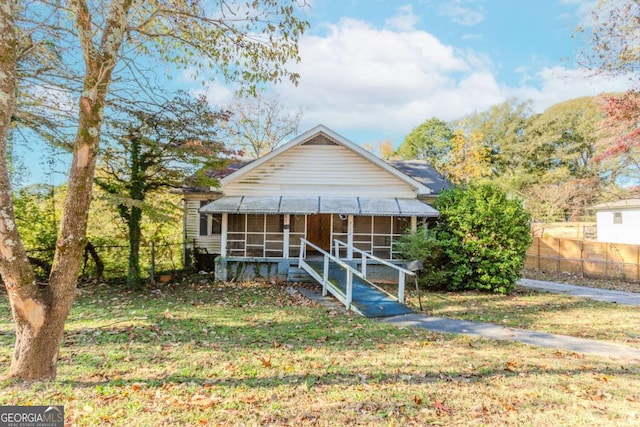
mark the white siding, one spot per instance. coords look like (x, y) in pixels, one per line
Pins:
(319, 170)
(192, 227)
(626, 232)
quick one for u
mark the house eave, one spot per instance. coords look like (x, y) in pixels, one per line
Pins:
(363, 206)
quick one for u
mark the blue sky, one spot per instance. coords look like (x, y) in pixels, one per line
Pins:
(372, 70)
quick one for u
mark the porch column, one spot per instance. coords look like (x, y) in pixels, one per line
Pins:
(350, 237)
(414, 223)
(285, 235)
(223, 235)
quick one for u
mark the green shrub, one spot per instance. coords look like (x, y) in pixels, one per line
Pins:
(424, 245)
(479, 242)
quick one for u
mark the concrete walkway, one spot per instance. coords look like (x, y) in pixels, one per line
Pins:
(618, 297)
(498, 332)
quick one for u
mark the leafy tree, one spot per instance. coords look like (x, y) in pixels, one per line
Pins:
(501, 129)
(430, 141)
(258, 125)
(562, 145)
(479, 242)
(619, 149)
(615, 40)
(469, 158)
(155, 150)
(248, 43)
(615, 51)
(37, 215)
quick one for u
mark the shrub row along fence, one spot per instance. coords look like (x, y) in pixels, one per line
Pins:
(597, 259)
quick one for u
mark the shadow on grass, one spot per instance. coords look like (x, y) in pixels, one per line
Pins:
(239, 320)
(355, 378)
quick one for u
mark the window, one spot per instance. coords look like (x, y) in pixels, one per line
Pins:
(209, 223)
(617, 217)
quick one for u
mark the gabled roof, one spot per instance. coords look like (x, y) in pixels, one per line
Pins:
(423, 172)
(338, 139)
(618, 204)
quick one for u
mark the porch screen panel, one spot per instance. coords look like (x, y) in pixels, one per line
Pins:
(362, 233)
(382, 236)
(340, 231)
(400, 226)
(255, 235)
(274, 237)
(236, 240)
(297, 229)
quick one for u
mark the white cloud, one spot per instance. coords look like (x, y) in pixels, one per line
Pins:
(361, 77)
(405, 20)
(217, 92)
(462, 12)
(361, 80)
(583, 12)
(555, 84)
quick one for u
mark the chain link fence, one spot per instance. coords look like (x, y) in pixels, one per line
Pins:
(108, 261)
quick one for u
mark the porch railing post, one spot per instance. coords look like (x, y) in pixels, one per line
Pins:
(363, 268)
(401, 280)
(349, 289)
(325, 275)
(301, 254)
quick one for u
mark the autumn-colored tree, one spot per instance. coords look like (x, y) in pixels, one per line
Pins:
(246, 42)
(469, 158)
(615, 51)
(620, 146)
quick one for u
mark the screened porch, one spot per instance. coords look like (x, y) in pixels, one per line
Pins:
(279, 235)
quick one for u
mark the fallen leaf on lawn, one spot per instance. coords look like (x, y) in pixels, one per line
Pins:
(511, 366)
(442, 408)
(138, 386)
(266, 362)
(204, 401)
(417, 400)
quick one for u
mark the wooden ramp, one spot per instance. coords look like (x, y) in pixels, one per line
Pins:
(366, 298)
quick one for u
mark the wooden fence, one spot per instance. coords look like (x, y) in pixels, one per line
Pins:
(598, 259)
(565, 230)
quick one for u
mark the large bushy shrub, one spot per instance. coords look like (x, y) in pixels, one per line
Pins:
(479, 241)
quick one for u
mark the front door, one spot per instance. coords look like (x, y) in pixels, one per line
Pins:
(319, 231)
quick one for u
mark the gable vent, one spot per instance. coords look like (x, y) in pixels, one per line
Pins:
(320, 140)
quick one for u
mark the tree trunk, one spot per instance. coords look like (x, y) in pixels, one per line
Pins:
(135, 235)
(40, 315)
(136, 192)
(37, 338)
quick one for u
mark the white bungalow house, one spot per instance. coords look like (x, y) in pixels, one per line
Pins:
(618, 222)
(319, 186)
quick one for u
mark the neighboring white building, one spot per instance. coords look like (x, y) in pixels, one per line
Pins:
(618, 222)
(319, 186)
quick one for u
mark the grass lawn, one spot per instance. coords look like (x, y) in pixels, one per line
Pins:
(541, 311)
(197, 353)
